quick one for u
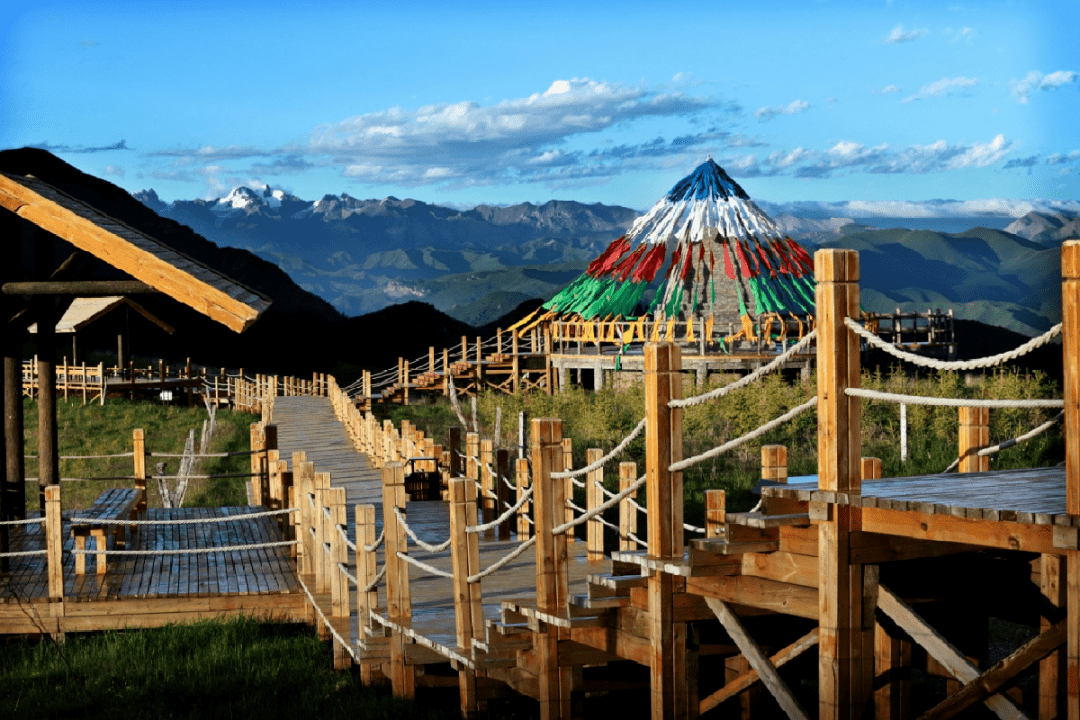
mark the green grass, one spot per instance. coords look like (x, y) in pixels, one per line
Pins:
(602, 419)
(107, 429)
(213, 669)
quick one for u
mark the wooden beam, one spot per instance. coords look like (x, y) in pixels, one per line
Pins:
(1003, 671)
(757, 660)
(82, 288)
(840, 689)
(142, 257)
(969, 531)
(941, 650)
(744, 681)
(1070, 351)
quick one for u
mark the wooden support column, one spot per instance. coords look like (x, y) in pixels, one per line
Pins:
(715, 513)
(468, 612)
(516, 367)
(524, 529)
(841, 694)
(398, 602)
(340, 592)
(270, 442)
(1070, 350)
(366, 600)
(892, 666)
(974, 436)
(305, 488)
(1052, 584)
(48, 451)
(488, 499)
(594, 497)
(663, 428)
(502, 490)
(568, 463)
(54, 543)
(138, 453)
(627, 512)
(552, 584)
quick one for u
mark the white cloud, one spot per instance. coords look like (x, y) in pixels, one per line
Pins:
(899, 35)
(849, 156)
(469, 143)
(1035, 80)
(768, 113)
(944, 86)
(114, 170)
(888, 90)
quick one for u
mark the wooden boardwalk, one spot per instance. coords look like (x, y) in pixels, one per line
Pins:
(308, 424)
(145, 590)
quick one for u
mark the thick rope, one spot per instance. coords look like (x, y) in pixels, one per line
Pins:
(377, 544)
(602, 461)
(505, 559)
(611, 502)
(752, 435)
(23, 553)
(345, 536)
(951, 402)
(424, 566)
(743, 382)
(190, 551)
(976, 364)
(1022, 438)
(83, 520)
(502, 518)
(28, 521)
(409, 531)
(375, 580)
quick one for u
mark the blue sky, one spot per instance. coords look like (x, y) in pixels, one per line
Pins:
(497, 102)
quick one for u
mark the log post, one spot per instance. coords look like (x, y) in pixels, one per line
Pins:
(841, 694)
(138, 454)
(663, 428)
(627, 512)
(270, 442)
(255, 441)
(502, 490)
(339, 584)
(488, 482)
(521, 467)
(974, 436)
(305, 481)
(568, 463)
(54, 543)
(398, 603)
(715, 513)
(366, 571)
(272, 499)
(1070, 350)
(552, 584)
(516, 360)
(319, 522)
(468, 612)
(594, 497)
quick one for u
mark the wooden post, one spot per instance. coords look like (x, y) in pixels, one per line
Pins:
(627, 512)
(305, 482)
(974, 436)
(339, 584)
(54, 543)
(841, 694)
(48, 451)
(502, 491)
(774, 465)
(272, 499)
(1070, 350)
(552, 584)
(568, 463)
(663, 428)
(524, 530)
(468, 611)
(270, 442)
(871, 468)
(398, 603)
(138, 449)
(594, 497)
(319, 522)
(487, 481)
(366, 600)
(715, 513)
(454, 441)
(516, 366)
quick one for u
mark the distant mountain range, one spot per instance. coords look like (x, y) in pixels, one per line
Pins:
(476, 265)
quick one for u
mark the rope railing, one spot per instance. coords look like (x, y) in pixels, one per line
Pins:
(1022, 438)
(502, 518)
(752, 435)
(611, 502)
(424, 566)
(744, 381)
(976, 364)
(23, 553)
(604, 460)
(27, 521)
(952, 402)
(496, 566)
(185, 521)
(413, 536)
(377, 544)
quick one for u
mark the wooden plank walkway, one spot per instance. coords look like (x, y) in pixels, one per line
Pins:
(309, 424)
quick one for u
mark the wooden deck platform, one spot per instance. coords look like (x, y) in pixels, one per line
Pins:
(149, 590)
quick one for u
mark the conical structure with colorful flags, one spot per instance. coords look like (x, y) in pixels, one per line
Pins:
(706, 249)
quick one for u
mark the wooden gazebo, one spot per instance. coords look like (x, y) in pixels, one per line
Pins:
(55, 248)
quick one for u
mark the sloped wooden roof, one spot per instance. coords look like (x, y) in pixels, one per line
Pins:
(141, 256)
(84, 311)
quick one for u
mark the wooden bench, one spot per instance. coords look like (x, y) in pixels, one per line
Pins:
(113, 504)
